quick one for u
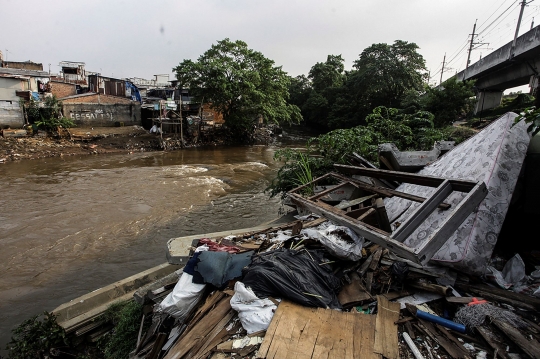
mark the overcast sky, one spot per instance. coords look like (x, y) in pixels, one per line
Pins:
(143, 38)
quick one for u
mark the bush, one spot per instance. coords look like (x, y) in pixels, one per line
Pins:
(36, 337)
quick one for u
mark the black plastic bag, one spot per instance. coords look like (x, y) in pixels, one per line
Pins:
(294, 275)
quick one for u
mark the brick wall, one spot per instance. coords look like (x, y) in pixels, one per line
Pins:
(61, 89)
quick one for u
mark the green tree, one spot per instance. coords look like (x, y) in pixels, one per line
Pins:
(386, 72)
(450, 101)
(241, 84)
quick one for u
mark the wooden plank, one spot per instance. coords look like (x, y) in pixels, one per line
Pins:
(158, 344)
(450, 347)
(530, 347)
(193, 335)
(363, 216)
(328, 190)
(384, 222)
(502, 295)
(325, 341)
(305, 333)
(354, 202)
(489, 337)
(364, 336)
(354, 293)
(385, 192)
(386, 332)
(271, 331)
(376, 257)
(205, 345)
(421, 180)
(303, 348)
(288, 333)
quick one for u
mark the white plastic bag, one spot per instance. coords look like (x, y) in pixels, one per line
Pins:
(328, 236)
(183, 298)
(255, 314)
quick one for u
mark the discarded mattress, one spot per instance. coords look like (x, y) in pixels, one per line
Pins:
(494, 155)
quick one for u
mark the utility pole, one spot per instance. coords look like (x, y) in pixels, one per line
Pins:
(442, 69)
(532, 23)
(471, 45)
(523, 3)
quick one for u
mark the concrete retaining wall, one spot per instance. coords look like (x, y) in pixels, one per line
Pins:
(11, 114)
(90, 114)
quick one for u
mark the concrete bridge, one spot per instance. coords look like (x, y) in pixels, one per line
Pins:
(505, 68)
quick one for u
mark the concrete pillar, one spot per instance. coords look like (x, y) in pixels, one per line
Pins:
(487, 99)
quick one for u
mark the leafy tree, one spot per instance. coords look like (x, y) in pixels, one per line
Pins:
(386, 72)
(326, 79)
(240, 83)
(324, 75)
(299, 90)
(448, 102)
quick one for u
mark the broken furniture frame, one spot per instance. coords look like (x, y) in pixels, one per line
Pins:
(476, 192)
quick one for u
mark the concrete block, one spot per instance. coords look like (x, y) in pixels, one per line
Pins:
(412, 161)
(79, 311)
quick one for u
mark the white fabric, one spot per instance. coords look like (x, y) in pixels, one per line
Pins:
(183, 298)
(494, 155)
(255, 314)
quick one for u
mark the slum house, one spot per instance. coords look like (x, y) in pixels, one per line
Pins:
(17, 85)
(21, 65)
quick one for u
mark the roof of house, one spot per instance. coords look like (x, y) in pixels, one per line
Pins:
(20, 72)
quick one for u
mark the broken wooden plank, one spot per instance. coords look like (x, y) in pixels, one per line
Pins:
(501, 295)
(158, 344)
(199, 329)
(298, 332)
(421, 180)
(354, 293)
(530, 347)
(489, 337)
(364, 336)
(386, 192)
(376, 257)
(386, 332)
(450, 347)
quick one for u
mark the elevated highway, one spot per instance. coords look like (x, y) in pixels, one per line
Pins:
(505, 68)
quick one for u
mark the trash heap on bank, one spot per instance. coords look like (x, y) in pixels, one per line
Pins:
(378, 264)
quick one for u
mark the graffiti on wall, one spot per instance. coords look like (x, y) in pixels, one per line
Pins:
(96, 115)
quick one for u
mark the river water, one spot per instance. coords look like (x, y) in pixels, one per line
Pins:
(71, 225)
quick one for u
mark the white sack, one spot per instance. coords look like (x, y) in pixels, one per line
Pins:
(183, 298)
(335, 245)
(255, 314)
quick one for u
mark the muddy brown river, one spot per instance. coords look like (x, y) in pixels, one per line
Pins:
(71, 225)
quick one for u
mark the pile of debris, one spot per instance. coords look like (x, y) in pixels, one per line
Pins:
(384, 274)
(315, 289)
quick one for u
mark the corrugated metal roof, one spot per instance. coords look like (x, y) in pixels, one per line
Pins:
(19, 72)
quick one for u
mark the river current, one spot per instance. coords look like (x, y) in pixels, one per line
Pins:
(71, 225)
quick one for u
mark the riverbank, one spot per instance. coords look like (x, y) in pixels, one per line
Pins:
(83, 141)
(99, 140)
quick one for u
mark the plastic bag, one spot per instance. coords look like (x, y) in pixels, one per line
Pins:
(255, 314)
(340, 241)
(183, 298)
(295, 275)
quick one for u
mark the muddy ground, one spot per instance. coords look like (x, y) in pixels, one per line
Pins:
(97, 140)
(79, 141)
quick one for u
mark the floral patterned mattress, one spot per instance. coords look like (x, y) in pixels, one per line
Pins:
(494, 155)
